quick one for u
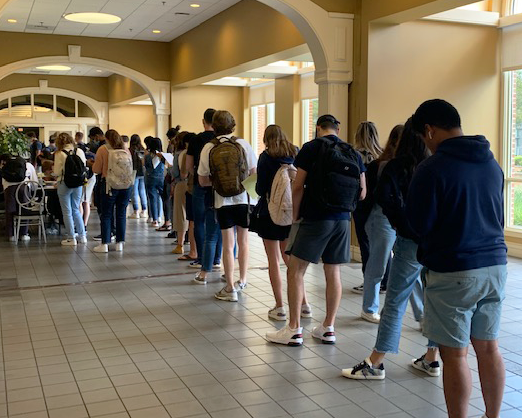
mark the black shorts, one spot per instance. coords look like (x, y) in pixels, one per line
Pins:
(188, 207)
(235, 215)
(266, 229)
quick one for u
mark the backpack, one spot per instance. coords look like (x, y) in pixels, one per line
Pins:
(280, 200)
(14, 170)
(120, 173)
(336, 182)
(228, 167)
(74, 171)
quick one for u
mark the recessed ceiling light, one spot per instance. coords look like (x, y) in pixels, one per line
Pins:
(12, 20)
(156, 31)
(99, 71)
(93, 18)
(54, 68)
(195, 5)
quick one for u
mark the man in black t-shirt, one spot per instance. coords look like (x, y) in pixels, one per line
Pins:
(317, 233)
(35, 148)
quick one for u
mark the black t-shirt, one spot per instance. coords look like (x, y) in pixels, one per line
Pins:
(305, 160)
(196, 146)
(35, 147)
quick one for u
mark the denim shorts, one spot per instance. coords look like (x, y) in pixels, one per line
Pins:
(314, 240)
(464, 305)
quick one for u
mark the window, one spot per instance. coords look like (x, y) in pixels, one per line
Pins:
(516, 7)
(262, 116)
(513, 149)
(310, 114)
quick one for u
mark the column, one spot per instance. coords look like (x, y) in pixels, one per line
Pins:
(333, 99)
(162, 126)
(287, 110)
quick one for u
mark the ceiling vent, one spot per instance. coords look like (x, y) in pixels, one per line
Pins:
(182, 14)
(40, 72)
(40, 28)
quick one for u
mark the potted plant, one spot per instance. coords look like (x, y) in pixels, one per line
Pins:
(13, 142)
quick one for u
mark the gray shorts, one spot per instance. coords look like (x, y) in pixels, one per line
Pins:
(314, 240)
(464, 304)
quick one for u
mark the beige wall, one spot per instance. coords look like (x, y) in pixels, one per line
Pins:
(342, 6)
(189, 104)
(416, 61)
(131, 119)
(287, 109)
(150, 58)
(121, 89)
(94, 87)
(246, 31)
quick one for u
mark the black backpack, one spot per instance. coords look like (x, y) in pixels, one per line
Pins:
(74, 171)
(336, 182)
(14, 170)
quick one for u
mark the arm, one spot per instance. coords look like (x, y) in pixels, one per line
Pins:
(298, 192)
(58, 165)
(183, 168)
(363, 187)
(204, 166)
(97, 167)
(189, 164)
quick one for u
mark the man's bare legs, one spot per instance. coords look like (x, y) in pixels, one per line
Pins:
(457, 380)
(334, 292)
(295, 277)
(242, 254)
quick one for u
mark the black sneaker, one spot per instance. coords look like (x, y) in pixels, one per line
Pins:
(365, 371)
(172, 234)
(97, 238)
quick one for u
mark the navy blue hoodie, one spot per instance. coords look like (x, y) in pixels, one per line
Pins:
(267, 167)
(456, 207)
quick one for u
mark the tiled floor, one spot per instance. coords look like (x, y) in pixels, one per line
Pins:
(78, 343)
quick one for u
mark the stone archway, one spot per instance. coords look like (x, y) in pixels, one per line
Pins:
(159, 91)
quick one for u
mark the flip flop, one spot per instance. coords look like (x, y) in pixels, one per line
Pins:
(164, 228)
(186, 258)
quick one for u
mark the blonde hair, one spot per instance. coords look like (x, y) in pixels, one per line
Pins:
(114, 139)
(64, 139)
(277, 144)
(367, 139)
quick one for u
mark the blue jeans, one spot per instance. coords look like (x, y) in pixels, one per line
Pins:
(404, 278)
(120, 199)
(154, 187)
(213, 241)
(139, 194)
(70, 201)
(381, 236)
(198, 208)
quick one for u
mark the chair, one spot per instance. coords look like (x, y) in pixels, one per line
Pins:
(30, 199)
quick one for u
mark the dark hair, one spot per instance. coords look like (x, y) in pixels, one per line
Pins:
(392, 144)
(411, 146)
(31, 135)
(438, 113)
(125, 138)
(208, 115)
(52, 139)
(135, 143)
(155, 145)
(147, 141)
(172, 132)
(95, 131)
(223, 122)
(328, 122)
(179, 142)
(114, 139)
(78, 135)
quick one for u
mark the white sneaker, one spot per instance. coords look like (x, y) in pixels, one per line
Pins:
(83, 240)
(358, 290)
(365, 371)
(12, 239)
(135, 215)
(70, 242)
(25, 238)
(199, 279)
(431, 369)
(119, 246)
(144, 215)
(227, 296)
(239, 286)
(306, 311)
(277, 314)
(286, 336)
(371, 317)
(325, 334)
(155, 224)
(102, 248)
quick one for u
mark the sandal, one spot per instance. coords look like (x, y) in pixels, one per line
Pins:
(186, 258)
(164, 228)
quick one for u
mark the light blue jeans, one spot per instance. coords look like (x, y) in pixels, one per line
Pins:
(70, 201)
(139, 194)
(381, 237)
(404, 279)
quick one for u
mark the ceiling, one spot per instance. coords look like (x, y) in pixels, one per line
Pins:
(77, 70)
(139, 17)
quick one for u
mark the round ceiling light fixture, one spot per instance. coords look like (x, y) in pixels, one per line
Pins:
(92, 18)
(54, 68)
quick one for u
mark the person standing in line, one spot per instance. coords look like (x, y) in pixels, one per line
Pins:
(201, 196)
(456, 206)
(35, 148)
(179, 188)
(391, 194)
(115, 197)
(78, 139)
(278, 152)
(70, 197)
(155, 168)
(225, 162)
(367, 144)
(329, 182)
(166, 197)
(139, 196)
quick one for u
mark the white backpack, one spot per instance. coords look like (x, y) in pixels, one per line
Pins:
(120, 172)
(280, 201)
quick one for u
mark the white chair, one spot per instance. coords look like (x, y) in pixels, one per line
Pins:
(30, 199)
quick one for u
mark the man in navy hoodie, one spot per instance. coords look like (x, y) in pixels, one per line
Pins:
(455, 205)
